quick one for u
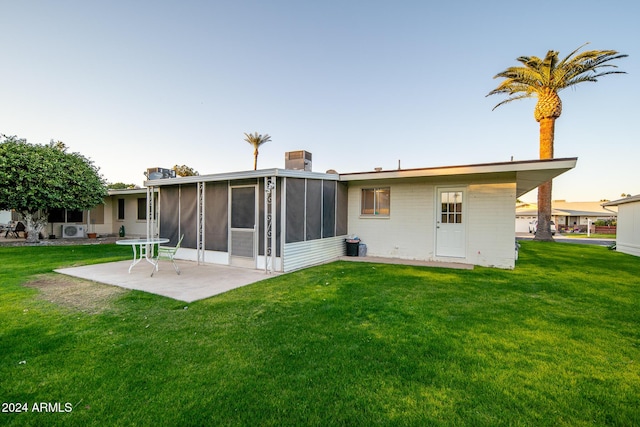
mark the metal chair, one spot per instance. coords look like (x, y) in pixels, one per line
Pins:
(167, 253)
(15, 230)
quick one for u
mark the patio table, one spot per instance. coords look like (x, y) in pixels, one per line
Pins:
(145, 248)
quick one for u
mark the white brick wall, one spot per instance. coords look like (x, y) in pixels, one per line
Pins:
(491, 236)
(409, 232)
(628, 233)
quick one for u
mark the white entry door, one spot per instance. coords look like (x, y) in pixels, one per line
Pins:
(450, 223)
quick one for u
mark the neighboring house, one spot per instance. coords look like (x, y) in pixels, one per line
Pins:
(566, 215)
(628, 232)
(120, 208)
(284, 219)
(5, 217)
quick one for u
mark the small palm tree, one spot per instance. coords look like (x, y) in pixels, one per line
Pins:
(544, 78)
(256, 140)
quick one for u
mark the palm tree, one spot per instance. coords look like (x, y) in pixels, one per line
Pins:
(256, 140)
(544, 78)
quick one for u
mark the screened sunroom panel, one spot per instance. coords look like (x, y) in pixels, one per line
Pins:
(295, 210)
(169, 214)
(216, 218)
(328, 209)
(341, 211)
(188, 215)
(314, 209)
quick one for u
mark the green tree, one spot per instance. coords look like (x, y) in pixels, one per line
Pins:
(36, 178)
(256, 141)
(120, 186)
(185, 170)
(543, 79)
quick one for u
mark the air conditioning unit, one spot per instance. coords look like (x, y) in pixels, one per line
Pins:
(160, 173)
(300, 160)
(72, 231)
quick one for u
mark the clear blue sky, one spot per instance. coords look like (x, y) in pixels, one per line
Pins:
(359, 84)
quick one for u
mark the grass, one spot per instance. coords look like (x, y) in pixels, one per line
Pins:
(555, 342)
(584, 235)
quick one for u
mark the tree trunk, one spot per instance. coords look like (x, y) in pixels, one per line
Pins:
(547, 131)
(34, 224)
(543, 231)
(255, 159)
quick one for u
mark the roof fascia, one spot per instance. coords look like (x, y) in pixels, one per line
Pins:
(485, 168)
(623, 201)
(229, 176)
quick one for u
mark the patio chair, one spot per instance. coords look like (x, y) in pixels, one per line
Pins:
(15, 230)
(167, 253)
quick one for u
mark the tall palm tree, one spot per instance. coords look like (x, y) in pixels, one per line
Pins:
(256, 140)
(544, 78)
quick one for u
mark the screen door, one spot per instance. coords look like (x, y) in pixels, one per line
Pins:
(243, 220)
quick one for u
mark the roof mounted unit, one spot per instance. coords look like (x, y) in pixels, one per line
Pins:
(160, 173)
(299, 160)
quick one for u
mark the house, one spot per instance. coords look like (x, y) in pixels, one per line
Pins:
(628, 233)
(121, 208)
(456, 214)
(286, 219)
(5, 217)
(566, 215)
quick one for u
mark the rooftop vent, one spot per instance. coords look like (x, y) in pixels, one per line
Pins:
(160, 173)
(299, 160)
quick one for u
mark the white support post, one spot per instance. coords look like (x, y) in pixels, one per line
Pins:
(152, 230)
(200, 218)
(269, 221)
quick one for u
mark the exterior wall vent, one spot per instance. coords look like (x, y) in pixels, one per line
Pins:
(160, 173)
(299, 160)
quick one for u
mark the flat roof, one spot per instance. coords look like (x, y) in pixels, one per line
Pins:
(261, 173)
(125, 191)
(527, 174)
(619, 202)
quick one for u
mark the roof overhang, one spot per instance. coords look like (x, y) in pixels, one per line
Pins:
(127, 191)
(526, 174)
(230, 176)
(626, 200)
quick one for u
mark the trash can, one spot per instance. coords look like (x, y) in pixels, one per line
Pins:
(362, 249)
(352, 246)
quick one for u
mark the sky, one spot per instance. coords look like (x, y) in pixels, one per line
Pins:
(359, 84)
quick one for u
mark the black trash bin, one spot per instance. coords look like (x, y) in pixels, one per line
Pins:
(352, 246)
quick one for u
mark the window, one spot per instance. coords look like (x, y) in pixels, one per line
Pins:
(65, 215)
(57, 215)
(142, 208)
(120, 209)
(375, 201)
(74, 215)
(451, 207)
(97, 214)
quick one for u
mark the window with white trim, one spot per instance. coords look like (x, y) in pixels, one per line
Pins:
(375, 201)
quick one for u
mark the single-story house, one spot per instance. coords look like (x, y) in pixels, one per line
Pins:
(566, 215)
(628, 233)
(121, 208)
(286, 219)
(5, 217)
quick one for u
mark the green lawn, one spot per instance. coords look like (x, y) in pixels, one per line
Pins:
(555, 342)
(584, 235)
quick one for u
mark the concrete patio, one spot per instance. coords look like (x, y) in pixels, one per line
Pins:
(195, 282)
